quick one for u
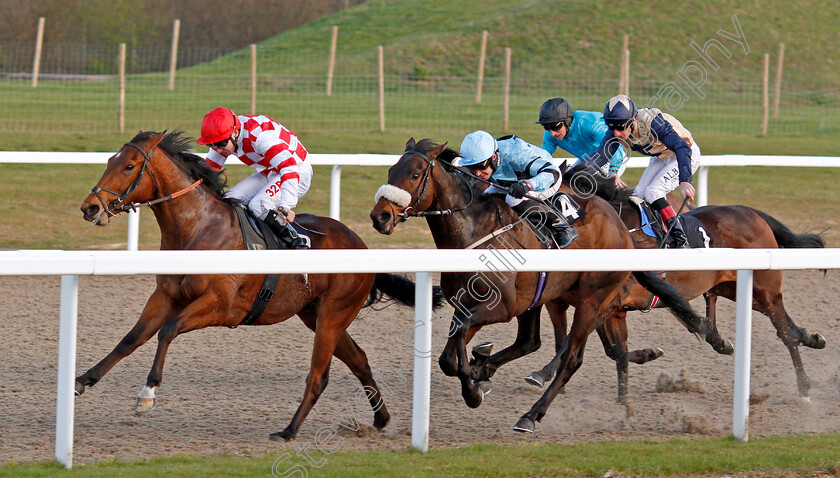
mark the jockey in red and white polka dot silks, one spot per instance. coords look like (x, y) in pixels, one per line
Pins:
(282, 173)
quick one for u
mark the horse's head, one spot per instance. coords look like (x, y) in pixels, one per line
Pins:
(126, 179)
(413, 185)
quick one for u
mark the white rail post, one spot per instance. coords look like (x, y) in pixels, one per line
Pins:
(66, 370)
(743, 329)
(133, 230)
(422, 362)
(703, 186)
(335, 192)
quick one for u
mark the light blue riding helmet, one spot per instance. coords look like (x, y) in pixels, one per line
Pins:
(479, 147)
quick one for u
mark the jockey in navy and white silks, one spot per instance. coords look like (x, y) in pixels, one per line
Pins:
(579, 133)
(525, 170)
(675, 155)
(282, 173)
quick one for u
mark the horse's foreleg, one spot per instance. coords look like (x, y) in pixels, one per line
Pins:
(527, 341)
(448, 360)
(205, 311)
(557, 312)
(157, 310)
(613, 334)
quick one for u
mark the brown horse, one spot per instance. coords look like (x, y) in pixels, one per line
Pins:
(201, 219)
(424, 183)
(738, 227)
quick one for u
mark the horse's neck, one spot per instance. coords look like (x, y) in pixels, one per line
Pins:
(185, 220)
(462, 228)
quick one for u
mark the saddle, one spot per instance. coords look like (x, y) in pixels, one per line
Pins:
(257, 235)
(651, 225)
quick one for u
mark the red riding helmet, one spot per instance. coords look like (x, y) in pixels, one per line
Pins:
(218, 125)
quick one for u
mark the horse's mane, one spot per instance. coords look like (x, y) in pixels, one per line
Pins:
(605, 188)
(179, 146)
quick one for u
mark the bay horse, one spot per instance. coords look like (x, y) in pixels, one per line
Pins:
(424, 183)
(187, 200)
(735, 226)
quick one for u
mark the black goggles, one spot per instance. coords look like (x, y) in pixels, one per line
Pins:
(553, 126)
(220, 144)
(482, 165)
(618, 125)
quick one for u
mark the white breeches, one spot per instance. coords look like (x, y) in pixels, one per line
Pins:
(262, 194)
(662, 176)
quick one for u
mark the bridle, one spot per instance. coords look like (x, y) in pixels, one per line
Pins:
(427, 173)
(119, 205)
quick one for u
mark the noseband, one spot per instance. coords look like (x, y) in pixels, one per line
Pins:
(119, 205)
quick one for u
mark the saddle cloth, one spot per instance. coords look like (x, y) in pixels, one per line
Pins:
(695, 232)
(252, 233)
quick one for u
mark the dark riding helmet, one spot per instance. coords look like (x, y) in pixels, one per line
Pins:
(619, 111)
(556, 111)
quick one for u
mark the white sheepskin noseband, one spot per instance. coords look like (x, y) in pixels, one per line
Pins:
(400, 197)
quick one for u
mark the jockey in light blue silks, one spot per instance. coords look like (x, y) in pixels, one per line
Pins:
(675, 155)
(526, 171)
(579, 133)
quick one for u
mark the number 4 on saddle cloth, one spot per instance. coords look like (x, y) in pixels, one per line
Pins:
(651, 224)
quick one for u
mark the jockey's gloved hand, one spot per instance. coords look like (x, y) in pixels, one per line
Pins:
(520, 189)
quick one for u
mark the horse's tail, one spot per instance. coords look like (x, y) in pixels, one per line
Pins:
(675, 302)
(399, 288)
(787, 238)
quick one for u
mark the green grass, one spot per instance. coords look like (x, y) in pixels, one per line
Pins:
(778, 455)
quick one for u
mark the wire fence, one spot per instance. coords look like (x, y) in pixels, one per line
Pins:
(78, 92)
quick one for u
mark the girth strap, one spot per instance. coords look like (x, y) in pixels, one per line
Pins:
(269, 282)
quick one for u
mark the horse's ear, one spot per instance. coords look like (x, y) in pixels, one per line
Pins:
(409, 145)
(154, 140)
(437, 150)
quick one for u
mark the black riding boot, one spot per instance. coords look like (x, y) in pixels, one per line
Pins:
(677, 233)
(286, 234)
(546, 220)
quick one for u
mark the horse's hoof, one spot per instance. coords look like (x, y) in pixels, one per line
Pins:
(819, 341)
(80, 389)
(482, 350)
(285, 435)
(474, 400)
(485, 386)
(144, 405)
(535, 379)
(657, 352)
(524, 425)
(729, 348)
(805, 399)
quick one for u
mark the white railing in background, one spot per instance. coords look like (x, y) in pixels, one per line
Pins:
(71, 264)
(337, 161)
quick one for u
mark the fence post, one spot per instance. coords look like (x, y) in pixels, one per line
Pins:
(331, 68)
(121, 69)
(621, 73)
(743, 329)
(422, 362)
(627, 71)
(253, 79)
(381, 88)
(778, 80)
(173, 62)
(66, 370)
(335, 192)
(39, 43)
(765, 100)
(481, 57)
(506, 102)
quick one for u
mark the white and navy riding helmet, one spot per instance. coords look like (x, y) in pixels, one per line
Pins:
(478, 150)
(619, 111)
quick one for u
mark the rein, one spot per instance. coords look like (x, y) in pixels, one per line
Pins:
(119, 205)
(422, 187)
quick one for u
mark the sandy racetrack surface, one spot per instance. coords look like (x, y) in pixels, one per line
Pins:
(225, 390)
